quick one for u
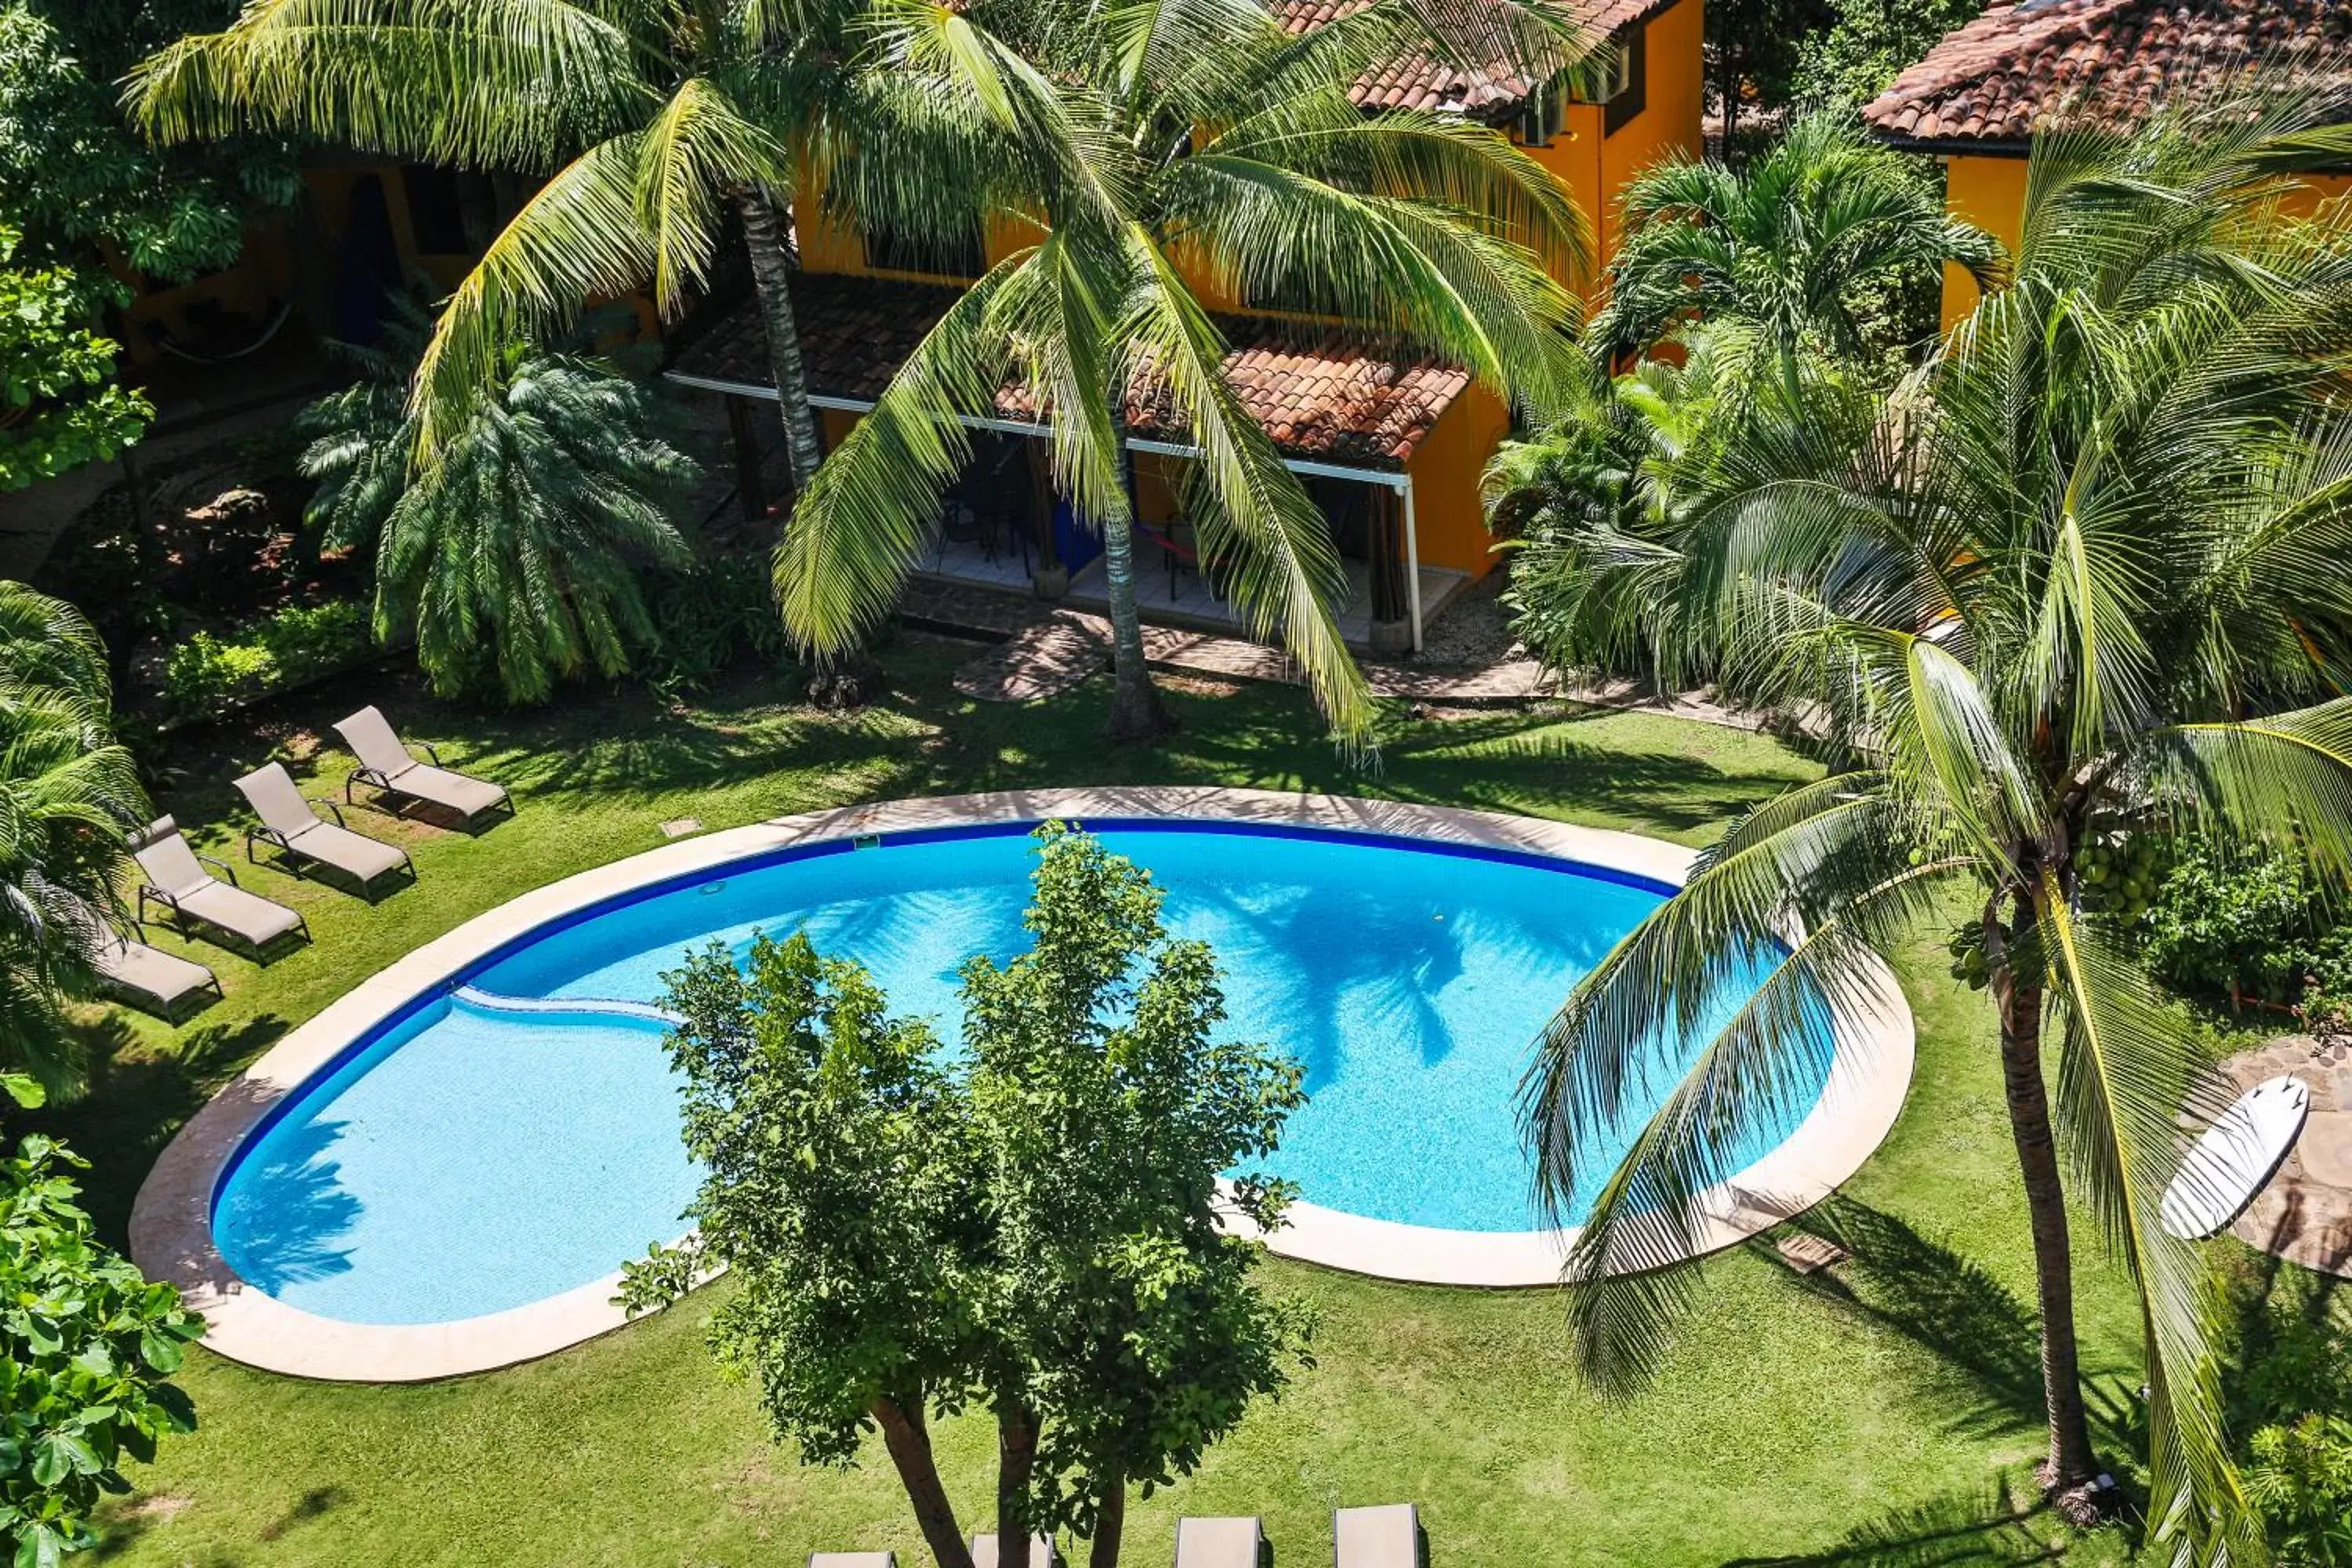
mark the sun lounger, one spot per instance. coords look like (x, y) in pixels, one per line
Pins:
(177, 882)
(1386, 1537)
(852, 1560)
(386, 766)
(1042, 1551)
(150, 978)
(1229, 1543)
(290, 827)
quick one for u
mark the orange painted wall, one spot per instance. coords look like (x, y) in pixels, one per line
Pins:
(1991, 194)
(1594, 166)
(1448, 521)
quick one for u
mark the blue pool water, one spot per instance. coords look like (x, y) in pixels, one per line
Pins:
(470, 1159)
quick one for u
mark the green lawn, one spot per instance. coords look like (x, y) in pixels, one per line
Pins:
(1888, 1415)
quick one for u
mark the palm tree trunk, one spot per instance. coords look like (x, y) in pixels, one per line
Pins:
(1135, 713)
(1110, 1520)
(2070, 1465)
(854, 677)
(772, 282)
(910, 1442)
(1016, 1461)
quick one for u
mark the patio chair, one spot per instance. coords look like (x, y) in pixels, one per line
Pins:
(290, 826)
(1042, 1553)
(386, 767)
(1235, 1541)
(1385, 1537)
(149, 978)
(852, 1560)
(177, 882)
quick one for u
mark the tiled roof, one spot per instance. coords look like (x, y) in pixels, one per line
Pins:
(1995, 78)
(1322, 395)
(1490, 93)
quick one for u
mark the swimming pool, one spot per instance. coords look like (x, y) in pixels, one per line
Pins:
(508, 1136)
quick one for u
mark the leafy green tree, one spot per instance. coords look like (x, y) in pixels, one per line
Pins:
(1799, 246)
(515, 555)
(75, 177)
(1029, 1229)
(2083, 576)
(1868, 43)
(1757, 46)
(1132, 1336)
(2301, 1480)
(88, 1349)
(59, 407)
(1163, 143)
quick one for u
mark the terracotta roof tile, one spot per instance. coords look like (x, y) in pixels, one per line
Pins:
(1420, 82)
(1995, 79)
(1322, 394)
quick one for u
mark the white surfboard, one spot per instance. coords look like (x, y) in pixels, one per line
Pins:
(2235, 1159)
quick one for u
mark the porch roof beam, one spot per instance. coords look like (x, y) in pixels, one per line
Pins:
(1399, 482)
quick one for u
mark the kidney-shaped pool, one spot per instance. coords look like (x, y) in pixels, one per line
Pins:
(515, 1136)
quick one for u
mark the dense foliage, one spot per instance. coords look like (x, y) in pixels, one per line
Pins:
(87, 1348)
(515, 557)
(76, 179)
(1753, 49)
(60, 407)
(1867, 44)
(206, 675)
(2079, 577)
(69, 796)
(1031, 1228)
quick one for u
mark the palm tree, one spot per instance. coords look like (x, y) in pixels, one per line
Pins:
(68, 797)
(653, 119)
(1797, 246)
(1160, 144)
(516, 550)
(2082, 578)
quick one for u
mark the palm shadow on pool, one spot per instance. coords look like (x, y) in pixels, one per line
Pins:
(293, 1211)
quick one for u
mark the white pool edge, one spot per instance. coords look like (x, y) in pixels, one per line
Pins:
(171, 1223)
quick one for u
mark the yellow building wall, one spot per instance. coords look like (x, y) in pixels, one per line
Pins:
(1991, 194)
(1449, 522)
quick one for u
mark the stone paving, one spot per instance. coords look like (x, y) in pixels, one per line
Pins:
(2306, 1214)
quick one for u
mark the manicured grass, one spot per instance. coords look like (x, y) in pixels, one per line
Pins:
(1887, 1413)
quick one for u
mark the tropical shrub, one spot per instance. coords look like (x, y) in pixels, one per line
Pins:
(514, 554)
(1867, 44)
(205, 675)
(2300, 1479)
(2233, 920)
(87, 1348)
(718, 611)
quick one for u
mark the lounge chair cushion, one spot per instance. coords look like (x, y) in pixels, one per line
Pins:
(1040, 1551)
(1229, 1543)
(852, 1560)
(163, 979)
(1386, 1537)
(248, 915)
(271, 793)
(165, 859)
(372, 741)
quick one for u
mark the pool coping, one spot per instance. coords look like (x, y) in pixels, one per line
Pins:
(171, 1229)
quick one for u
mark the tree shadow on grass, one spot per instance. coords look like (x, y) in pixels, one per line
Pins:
(137, 1097)
(1986, 1337)
(1991, 1527)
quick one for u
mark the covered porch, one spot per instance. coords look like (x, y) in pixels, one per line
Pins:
(1347, 420)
